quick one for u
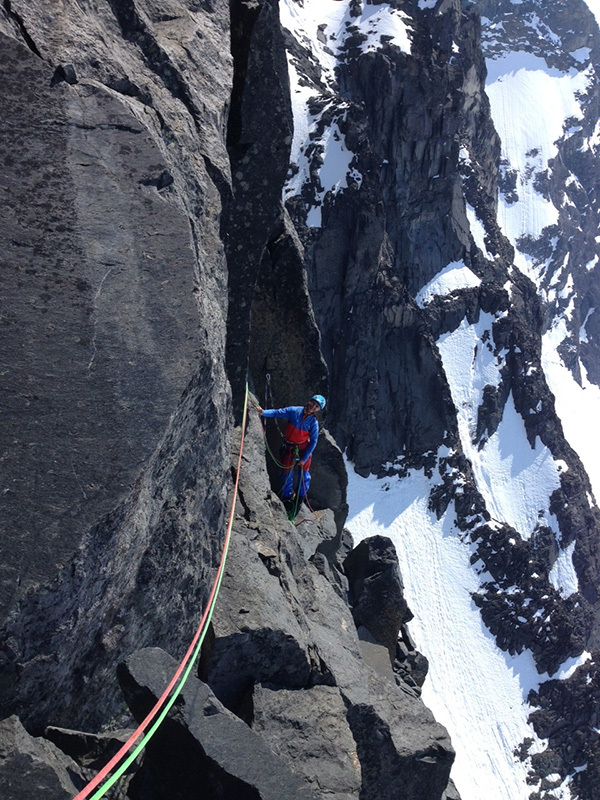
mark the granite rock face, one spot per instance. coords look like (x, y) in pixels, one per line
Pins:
(113, 374)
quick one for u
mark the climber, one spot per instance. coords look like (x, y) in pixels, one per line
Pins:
(301, 434)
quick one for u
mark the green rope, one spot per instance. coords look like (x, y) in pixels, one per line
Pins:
(176, 692)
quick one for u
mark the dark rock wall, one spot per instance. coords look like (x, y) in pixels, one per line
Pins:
(149, 268)
(379, 244)
(258, 140)
(117, 411)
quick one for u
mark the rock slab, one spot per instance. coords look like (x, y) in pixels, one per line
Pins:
(202, 745)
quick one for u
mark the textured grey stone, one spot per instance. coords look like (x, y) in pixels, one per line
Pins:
(33, 767)
(226, 754)
(116, 404)
(89, 750)
(281, 622)
(377, 591)
(308, 728)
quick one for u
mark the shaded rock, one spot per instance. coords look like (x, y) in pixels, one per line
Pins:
(113, 386)
(273, 585)
(376, 590)
(33, 767)
(401, 758)
(201, 744)
(308, 729)
(89, 750)
(85, 337)
(375, 655)
(285, 346)
(259, 138)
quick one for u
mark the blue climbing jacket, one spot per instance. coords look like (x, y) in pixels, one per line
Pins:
(298, 431)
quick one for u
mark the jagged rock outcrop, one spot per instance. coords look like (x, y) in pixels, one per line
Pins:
(376, 590)
(201, 743)
(281, 625)
(33, 766)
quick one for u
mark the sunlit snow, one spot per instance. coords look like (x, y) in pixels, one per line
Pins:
(515, 479)
(473, 688)
(383, 20)
(530, 104)
(455, 276)
(576, 405)
(478, 230)
(562, 575)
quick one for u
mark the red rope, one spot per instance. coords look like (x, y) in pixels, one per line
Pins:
(108, 768)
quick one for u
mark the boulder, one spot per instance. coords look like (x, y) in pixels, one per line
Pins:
(89, 750)
(33, 767)
(201, 746)
(309, 730)
(377, 591)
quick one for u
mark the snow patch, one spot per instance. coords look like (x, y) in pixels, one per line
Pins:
(384, 21)
(453, 277)
(582, 55)
(478, 230)
(529, 129)
(583, 337)
(562, 575)
(568, 667)
(577, 404)
(515, 479)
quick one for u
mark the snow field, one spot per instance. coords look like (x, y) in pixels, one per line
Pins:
(515, 479)
(578, 406)
(530, 104)
(474, 689)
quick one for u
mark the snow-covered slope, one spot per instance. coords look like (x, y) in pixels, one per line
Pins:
(539, 99)
(475, 689)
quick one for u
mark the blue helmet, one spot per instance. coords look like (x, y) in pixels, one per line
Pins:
(318, 398)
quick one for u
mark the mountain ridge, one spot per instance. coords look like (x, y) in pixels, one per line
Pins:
(320, 202)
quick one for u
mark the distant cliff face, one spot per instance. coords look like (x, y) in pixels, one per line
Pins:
(151, 266)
